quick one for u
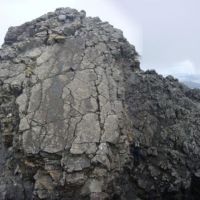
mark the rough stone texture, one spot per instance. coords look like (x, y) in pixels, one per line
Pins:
(165, 119)
(72, 99)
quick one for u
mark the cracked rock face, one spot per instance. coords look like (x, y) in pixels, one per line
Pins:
(64, 123)
(73, 99)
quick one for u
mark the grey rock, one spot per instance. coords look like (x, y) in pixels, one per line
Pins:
(103, 160)
(152, 151)
(70, 30)
(76, 179)
(73, 164)
(111, 133)
(62, 17)
(197, 174)
(43, 185)
(73, 100)
(92, 186)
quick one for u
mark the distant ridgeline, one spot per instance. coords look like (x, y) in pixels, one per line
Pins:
(192, 84)
(80, 120)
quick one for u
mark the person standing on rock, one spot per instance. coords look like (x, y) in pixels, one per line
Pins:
(135, 152)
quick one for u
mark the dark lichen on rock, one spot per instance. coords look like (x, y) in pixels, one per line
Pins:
(71, 97)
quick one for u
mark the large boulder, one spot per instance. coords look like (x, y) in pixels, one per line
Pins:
(73, 100)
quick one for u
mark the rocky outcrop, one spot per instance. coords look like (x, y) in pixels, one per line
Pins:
(165, 118)
(73, 99)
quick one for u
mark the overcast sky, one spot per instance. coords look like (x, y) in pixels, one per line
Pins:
(166, 33)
